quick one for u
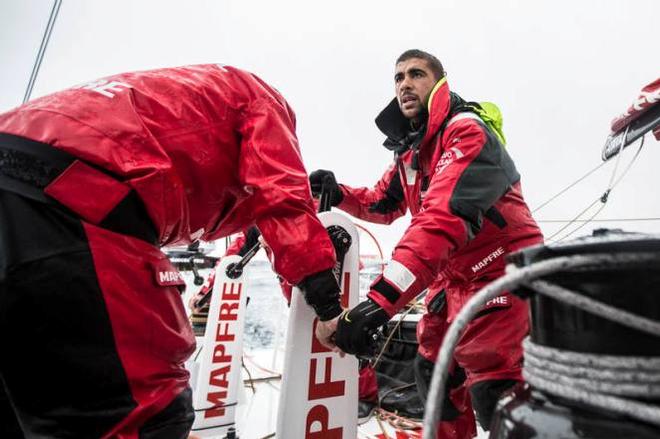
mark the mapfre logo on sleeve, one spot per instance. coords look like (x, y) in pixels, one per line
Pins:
(105, 87)
(166, 274)
(447, 158)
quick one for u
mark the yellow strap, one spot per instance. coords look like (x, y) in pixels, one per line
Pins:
(436, 87)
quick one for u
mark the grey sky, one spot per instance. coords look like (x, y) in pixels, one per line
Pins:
(560, 71)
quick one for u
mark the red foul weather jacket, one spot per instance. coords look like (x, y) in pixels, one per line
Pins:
(209, 149)
(463, 192)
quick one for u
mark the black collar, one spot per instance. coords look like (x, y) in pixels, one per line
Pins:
(400, 135)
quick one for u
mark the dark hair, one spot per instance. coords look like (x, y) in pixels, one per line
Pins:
(433, 62)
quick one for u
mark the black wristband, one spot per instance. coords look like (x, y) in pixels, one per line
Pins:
(321, 292)
(328, 312)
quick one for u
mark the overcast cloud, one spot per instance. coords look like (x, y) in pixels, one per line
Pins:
(559, 70)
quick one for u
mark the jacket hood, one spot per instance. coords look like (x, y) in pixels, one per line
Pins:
(438, 108)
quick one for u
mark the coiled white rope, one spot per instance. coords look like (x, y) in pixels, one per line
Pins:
(514, 279)
(602, 381)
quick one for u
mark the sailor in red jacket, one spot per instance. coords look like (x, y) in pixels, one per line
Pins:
(93, 180)
(452, 173)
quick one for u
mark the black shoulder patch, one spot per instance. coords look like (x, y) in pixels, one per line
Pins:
(483, 182)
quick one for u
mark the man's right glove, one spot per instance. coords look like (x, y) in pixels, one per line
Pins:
(356, 328)
(251, 238)
(322, 179)
(321, 292)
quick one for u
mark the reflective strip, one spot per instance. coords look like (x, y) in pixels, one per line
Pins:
(397, 274)
(463, 115)
(411, 174)
(457, 151)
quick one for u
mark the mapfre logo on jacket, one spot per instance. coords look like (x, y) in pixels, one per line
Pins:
(487, 260)
(105, 87)
(166, 274)
(447, 158)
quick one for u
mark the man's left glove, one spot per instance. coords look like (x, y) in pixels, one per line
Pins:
(321, 292)
(356, 328)
(251, 238)
(320, 180)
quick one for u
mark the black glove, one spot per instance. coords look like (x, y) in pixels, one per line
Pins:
(321, 292)
(322, 179)
(356, 328)
(251, 238)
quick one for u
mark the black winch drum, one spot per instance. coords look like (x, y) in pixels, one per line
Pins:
(634, 288)
(527, 412)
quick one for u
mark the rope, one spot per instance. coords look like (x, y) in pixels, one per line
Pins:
(576, 217)
(42, 49)
(554, 197)
(600, 309)
(260, 367)
(596, 380)
(616, 164)
(507, 283)
(249, 381)
(389, 337)
(602, 220)
(373, 238)
(603, 198)
(602, 381)
(397, 421)
(263, 379)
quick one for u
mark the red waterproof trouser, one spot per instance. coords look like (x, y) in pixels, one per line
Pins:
(93, 330)
(491, 346)
(489, 349)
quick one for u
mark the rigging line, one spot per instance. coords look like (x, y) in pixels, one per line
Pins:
(616, 163)
(378, 247)
(250, 379)
(605, 196)
(389, 338)
(625, 171)
(42, 49)
(542, 205)
(260, 367)
(603, 199)
(602, 206)
(593, 203)
(397, 421)
(382, 428)
(601, 220)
